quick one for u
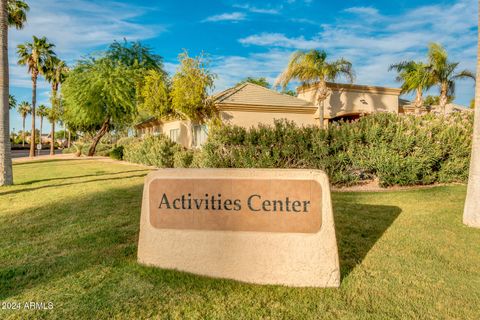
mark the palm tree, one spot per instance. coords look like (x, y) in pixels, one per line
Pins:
(444, 73)
(34, 55)
(55, 72)
(42, 111)
(12, 102)
(17, 13)
(416, 77)
(24, 108)
(13, 13)
(471, 212)
(312, 68)
(53, 116)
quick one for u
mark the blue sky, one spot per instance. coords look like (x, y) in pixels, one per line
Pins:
(254, 38)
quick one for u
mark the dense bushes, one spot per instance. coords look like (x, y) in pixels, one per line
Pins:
(158, 151)
(399, 150)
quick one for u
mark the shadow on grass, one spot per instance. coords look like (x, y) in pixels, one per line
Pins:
(72, 183)
(358, 227)
(33, 161)
(60, 240)
(82, 176)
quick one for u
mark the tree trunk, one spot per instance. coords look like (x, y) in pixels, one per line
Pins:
(322, 95)
(471, 212)
(443, 97)
(6, 172)
(52, 142)
(69, 138)
(418, 101)
(23, 132)
(103, 130)
(34, 101)
(41, 128)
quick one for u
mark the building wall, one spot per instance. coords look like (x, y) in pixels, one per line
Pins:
(347, 101)
(249, 119)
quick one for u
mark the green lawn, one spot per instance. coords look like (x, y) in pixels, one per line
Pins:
(69, 229)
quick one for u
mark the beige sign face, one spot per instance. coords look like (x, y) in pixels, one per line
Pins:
(263, 205)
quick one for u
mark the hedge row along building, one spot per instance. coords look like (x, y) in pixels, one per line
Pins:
(248, 105)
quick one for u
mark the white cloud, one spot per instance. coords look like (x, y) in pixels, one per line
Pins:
(381, 40)
(234, 17)
(362, 11)
(257, 9)
(279, 40)
(231, 69)
(76, 26)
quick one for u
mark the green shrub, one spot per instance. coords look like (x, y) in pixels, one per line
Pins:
(117, 153)
(398, 149)
(155, 151)
(183, 158)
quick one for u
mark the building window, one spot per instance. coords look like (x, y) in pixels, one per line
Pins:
(200, 134)
(175, 135)
(156, 130)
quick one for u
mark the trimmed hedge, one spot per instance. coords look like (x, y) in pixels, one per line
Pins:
(395, 149)
(398, 150)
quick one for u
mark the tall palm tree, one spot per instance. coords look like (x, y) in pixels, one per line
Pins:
(24, 108)
(12, 13)
(312, 68)
(34, 55)
(415, 77)
(42, 111)
(444, 73)
(53, 116)
(55, 72)
(12, 102)
(471, 212)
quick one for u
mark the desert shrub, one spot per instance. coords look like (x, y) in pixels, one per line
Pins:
(398, 149)
(155, 151)
(117, 153)
(182, 158)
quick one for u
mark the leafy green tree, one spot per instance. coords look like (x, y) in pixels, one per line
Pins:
(135, 54)
(415, 77)
(289, 92)
(258, 81)
(101, 93)
(42, 111)
(24, 109)
(35, 55)
(190, 90)
(311, 68)
(155, 94)
(444, 73)
(472, 103)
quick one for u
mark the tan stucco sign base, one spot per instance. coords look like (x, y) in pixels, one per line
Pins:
(265, 226)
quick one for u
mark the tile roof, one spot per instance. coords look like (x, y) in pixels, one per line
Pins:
(255, 95)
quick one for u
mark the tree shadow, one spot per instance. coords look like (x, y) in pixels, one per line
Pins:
(82, 176)
(71, 183)
(358, 227)
(34, 161)
(103, 231)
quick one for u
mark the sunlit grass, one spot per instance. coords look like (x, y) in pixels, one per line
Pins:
(69, 230)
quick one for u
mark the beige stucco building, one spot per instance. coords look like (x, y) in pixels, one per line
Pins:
(248, 105)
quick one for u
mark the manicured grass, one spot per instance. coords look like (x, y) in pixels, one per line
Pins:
(69, 229)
